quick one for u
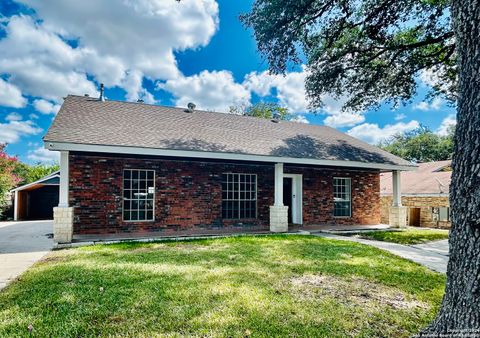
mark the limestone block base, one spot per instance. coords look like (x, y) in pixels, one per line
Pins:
(62, 224)
(278, 218)
(398, 217)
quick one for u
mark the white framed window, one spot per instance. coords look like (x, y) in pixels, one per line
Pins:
(441, 214)
(342, 196)
(239, 196)
(138, 195)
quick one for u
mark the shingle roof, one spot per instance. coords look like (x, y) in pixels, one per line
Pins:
(85, 120)
(428, 179)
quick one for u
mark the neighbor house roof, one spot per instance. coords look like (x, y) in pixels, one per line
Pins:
(88, 124)
(50, 179)
(431, 178)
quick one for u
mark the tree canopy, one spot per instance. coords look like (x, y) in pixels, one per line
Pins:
(366, 52)
(265, 110)
(420, 145)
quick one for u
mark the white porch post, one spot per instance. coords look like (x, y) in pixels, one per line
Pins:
(63, 198)
(15, 206)
(63, 214)
(398, 213)
(278, 212)
(278, 184)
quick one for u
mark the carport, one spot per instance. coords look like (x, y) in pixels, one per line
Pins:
(36, 200)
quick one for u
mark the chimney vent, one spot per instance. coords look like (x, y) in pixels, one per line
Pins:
(86, 95)
(139, 101)
(102, 93)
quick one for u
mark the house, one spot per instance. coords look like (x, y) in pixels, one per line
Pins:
(424, 192)
(36, 200)
(133, 168)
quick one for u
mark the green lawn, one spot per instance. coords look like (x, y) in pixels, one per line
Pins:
(259, 286)
(409, 236)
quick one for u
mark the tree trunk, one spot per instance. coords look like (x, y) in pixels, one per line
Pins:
(459, 314)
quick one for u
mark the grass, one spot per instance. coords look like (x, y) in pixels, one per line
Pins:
(409, 236)
(259, 286)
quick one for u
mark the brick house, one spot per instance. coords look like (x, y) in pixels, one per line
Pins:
(425, 194)
(133, 168)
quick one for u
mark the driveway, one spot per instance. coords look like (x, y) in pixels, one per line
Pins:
(21, 245)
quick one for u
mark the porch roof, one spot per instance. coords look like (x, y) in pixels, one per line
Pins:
(87, 124)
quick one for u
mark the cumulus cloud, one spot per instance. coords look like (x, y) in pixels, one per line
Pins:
(10, 95)
(66, 44)
(46, 107)
(425, 106)
(344, 119)
(12, 131)
(13, 117)
(216, 90)
(372, 133)
(447, 123)
(289, 89)
(300, 119)
(400, 116)
(43, 155)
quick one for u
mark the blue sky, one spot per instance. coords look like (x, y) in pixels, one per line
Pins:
(163, 52)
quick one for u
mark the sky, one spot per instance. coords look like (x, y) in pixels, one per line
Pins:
(163, 52)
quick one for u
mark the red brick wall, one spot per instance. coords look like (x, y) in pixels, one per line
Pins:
(188, 195)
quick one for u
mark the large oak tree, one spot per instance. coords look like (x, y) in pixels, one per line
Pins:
(373, 51)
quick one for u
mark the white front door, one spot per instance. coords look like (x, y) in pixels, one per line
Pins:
(296, 198)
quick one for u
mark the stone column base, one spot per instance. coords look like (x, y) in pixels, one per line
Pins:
(398, 217)
(62, 224)
(278, 218)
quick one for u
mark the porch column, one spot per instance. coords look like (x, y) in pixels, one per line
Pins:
(398, 213)
(15, 206)
(278, 212)
(63, 214)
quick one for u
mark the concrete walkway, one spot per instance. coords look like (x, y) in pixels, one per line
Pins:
(21, 245)
(433, 255)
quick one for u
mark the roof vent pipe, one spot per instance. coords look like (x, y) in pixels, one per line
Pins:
(191, 107)
(139, 101)
(102, 94)
(276, 117)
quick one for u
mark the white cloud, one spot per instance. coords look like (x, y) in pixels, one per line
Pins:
(33, 116)
(447, 123)
(43, 155)
(400, 116)
(46, 107)
(344, 119)
(425, 106)
(13, 117)
(10, 95)
(300, 119)
(290, 89)
(372, 133)
(216, 90)
(12, 131)
(113, 40)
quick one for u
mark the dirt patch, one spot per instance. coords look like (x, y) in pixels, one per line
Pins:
(353, 290)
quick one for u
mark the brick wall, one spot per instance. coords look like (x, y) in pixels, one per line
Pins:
(188, 195)
(424, 203)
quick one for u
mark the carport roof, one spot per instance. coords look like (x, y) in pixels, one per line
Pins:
(50, 179)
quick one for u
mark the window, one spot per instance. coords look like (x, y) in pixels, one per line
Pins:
(342, 197)
(138, 195)
(442, 214)
(239, 196)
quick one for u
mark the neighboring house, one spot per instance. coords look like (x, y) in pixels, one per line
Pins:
(133, 168)
(36, 200)
(424, 192)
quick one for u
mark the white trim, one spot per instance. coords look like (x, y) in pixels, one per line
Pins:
(123, 196)
(59, 146)
(397, 188)
(278, 186)
(43, 179)
(297, 197)
(349, 180)
(15, 206)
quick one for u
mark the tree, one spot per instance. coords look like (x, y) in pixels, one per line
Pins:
(265, 110)
(420, 145)
(30, 173)
(372, 51)
(8, 179)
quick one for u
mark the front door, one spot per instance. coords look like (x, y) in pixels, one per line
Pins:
(287, 196)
